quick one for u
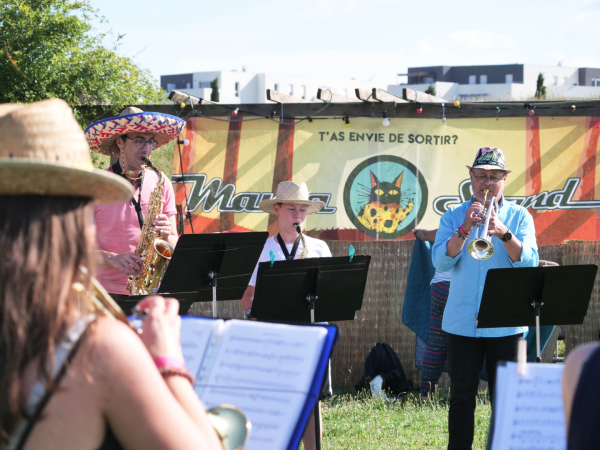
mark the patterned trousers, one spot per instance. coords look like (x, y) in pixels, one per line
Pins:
(435, 354)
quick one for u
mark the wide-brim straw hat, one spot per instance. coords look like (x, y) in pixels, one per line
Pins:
(43, 151)
(290, 192)
(102, 135)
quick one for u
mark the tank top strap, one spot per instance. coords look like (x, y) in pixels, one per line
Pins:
(38, 398)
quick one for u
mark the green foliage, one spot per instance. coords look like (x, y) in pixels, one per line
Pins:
(214, 96)
(430, 90)
(540, 91)
(49, 49)
(364, 423)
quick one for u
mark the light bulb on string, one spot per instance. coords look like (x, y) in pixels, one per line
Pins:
(347, 122)
(497, 109)
(235, 112)
(385, 122)
(183, 142)
(573, 107)
(419, 108)
(457, 104)
(532, 111)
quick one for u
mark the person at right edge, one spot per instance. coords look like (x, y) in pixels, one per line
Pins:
(513, 237)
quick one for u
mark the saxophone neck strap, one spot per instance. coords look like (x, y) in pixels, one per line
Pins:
(118, 170)
(287, 255)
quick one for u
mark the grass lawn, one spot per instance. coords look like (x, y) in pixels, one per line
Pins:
(359, 422)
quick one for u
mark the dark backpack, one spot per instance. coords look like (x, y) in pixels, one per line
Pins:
(383, 360)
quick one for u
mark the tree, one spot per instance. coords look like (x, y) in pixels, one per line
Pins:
(214, 95)
(49, 49)
(540, 91)
(430, 90)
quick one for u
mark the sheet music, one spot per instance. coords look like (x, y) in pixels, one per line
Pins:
(273, 414)
(258, 355)
(529, 412)
(195, 337)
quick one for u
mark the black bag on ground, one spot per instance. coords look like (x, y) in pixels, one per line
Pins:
(383, 360)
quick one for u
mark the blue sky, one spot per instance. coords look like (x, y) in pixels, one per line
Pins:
(362, 39)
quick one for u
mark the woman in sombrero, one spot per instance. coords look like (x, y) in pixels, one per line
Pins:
(291, 205)
(70, 379)
(131, 137)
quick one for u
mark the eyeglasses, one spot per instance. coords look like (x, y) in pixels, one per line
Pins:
(140, 143)
(483, 178)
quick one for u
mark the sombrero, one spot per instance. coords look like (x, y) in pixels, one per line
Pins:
(102, 135)
(290, 192)
(44, 152)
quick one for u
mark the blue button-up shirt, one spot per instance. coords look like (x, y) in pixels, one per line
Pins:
(468, 273)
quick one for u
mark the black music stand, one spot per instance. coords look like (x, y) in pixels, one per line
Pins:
(199, 260)
(535, 296)
(127, 303)
(308, 291)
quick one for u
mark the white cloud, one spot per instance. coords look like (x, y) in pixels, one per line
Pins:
(481, 39)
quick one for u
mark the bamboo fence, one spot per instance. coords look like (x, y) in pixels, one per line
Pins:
(380, 319)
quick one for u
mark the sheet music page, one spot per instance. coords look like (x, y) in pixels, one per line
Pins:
(195, 336)
(532, 415)
(266, 370)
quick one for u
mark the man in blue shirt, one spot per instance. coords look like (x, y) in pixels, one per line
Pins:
(513, 237)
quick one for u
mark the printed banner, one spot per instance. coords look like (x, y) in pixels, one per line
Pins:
(381, 182)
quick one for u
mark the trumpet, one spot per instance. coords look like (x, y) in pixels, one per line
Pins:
(481, 247)
(230, 423)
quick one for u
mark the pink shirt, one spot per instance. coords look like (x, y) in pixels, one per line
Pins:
(118, 229)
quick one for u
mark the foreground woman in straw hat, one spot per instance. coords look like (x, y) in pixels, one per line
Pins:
(70, 379)
(291, 205)
(131, 137)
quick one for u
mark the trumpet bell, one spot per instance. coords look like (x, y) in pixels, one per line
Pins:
(231, 425)
(481, 249)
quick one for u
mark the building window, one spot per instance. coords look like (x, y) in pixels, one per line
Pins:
(171, 87)
(482, 79)
(290, 90)
(304, 92)
(472, 79)
(203, 84)
(237, 88)
(508, 78)
(428, 80)
(276, 87)
(187, 85)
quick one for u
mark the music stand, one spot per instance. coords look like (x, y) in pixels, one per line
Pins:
(308, 291)
(535, 296)
(127, 303)
(199, 260)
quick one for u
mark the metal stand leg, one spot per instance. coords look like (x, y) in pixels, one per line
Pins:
(537, 307)
(317, 414)
(214, 289)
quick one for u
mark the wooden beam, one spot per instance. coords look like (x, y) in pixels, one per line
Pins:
(328, 96)
(280, 97)
(364, 95)
(181, 97)
(383, 96)
(420, 97)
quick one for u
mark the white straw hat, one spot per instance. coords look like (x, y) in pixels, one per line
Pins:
(290, 192)
(43, 151)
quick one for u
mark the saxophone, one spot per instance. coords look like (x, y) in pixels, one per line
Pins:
(156, 253)
(304, 251)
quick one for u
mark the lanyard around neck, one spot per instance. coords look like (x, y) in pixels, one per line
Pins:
(118, 170)
(284, 248)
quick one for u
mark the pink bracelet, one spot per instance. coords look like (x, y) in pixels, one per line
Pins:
(167, 361)
(167, 371)
(463, 231)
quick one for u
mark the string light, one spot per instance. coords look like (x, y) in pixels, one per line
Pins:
(183, 142)
(419, 108)
(573, 107)
(457, 104)
(235, 112)
(532, 111)
(497, 109)
(182, 105)
(385, 122)
(347, 122)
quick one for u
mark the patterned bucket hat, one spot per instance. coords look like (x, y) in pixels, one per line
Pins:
(102, 135)
(489, 158)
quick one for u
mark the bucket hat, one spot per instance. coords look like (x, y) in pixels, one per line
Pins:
(489, 158)
(102, 135)
(44, 152)
(290, 192)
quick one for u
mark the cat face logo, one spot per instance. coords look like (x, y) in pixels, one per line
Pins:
(385, 197)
